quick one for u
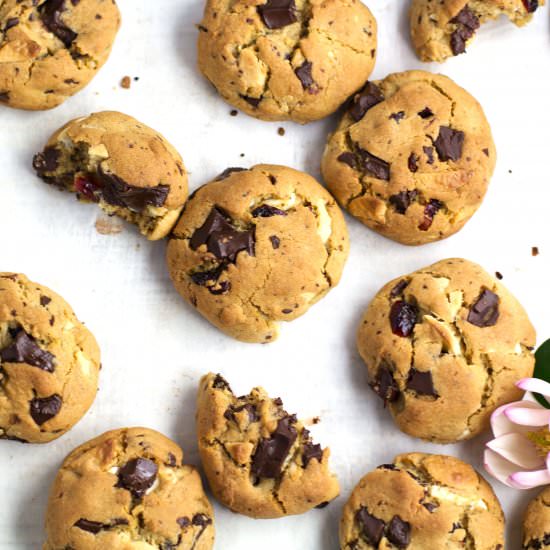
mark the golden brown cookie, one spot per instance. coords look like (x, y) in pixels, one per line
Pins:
(51, 49)
(256, 247)
(442, 29)
(422, 502)
(49, 362)
(128, 489)
(536, 523)
(287, 59)
(412, 157)
(129, 169)
(259, 460)
(444, 347)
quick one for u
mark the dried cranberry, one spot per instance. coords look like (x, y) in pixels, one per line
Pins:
(87, 188)
(403, 318)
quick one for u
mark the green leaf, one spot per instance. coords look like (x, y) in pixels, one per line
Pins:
(542, 369)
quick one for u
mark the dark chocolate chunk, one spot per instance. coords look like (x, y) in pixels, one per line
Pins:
(349, 159)
(271, 453)
(467, 18)
(449, 144)
(117, 192)
(47, 161)
(90, 526)
(137, 476)
(220, 383)
(266, 211)
(426, 113)
(401, 201)
(398, 116)
(531, 6)
(201, 520)
(43, 409)
(412, 162)
(45, 300)
(254, 101)
(367, 98)
(459, 37)
(24, 349)
(228, 171)
(171, 460)
(467, 23)
(385, 385)
(203, 278)
(4, 97)
(403, 318)
(429, 152)
(391, 467)
(11, 22)
(50, 13)
(311, 451)
(230, 412)
(421, 382)
(372, 528)
(322, 505)
(430, 506)
(183, 522)
(430, 210)
(399, 532)
(485, 151)
(374, 166)
(275, 241)
(303, 72)
(222, 288)
(485, 311)
(278, 13)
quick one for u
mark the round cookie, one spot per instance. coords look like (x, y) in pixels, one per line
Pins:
(444, 347)
(259, 460)
(442, 29)
(536, 523)
(287, 59)
(420, 502)
(129, 169)
(51, 49)
(128, 488)
(411, 158)
(255, 247)
(49, 362)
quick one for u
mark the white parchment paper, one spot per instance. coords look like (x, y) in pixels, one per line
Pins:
(155, 347)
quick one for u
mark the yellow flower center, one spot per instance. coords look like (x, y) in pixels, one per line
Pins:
(541, 440)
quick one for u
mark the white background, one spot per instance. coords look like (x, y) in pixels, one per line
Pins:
(155, 347)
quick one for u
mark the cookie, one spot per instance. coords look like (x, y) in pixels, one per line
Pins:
(255, 247)
(260, 461)
(411, 158)
(422, 502)
(51, 49)
(287, 59)
(49, 362)
(129, 169)
(444, 347)
(536, 523)
(128, 488)
(443, 29)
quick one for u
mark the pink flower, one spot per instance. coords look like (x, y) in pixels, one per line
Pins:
(519, 456)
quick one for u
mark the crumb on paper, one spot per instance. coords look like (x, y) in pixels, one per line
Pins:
(233, 112)
(499, 275)
(126, 82)
(311, 421)
(509, 171)
(281, 131)
(108, 225)
(242, 154)
(136, 78)
(535, 251)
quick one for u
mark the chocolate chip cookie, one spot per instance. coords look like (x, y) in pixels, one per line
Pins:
(255, 247)
(287, 59)
(260, 461)
(49, 362)
(444, 347)
(412, 157)
(536, 523)
(422, 502)
(114, 160)
(440, 30)
(128, 488)
(51, 49)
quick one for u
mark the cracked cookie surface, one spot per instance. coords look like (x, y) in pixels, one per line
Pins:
(536, 523)
(259, 460)
(411, 158)
(128, 489)
(422, 501)
(443, 29)
(49, 362)
(444, 347)
(287, 59)
(51, 49)
(129, 169)
(256, 247)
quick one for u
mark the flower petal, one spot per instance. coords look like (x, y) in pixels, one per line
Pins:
(528, 416)
(534, 385)
(517, 449)
(502, 425)
(529, 480)
(499, 467)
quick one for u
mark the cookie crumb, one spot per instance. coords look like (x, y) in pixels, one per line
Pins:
(107, 225)
(136, 78)
(499, 275)
(509, 171)
(242, 155)
(234, 112)
(126, 82)
(534, 251)
(281, 131)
